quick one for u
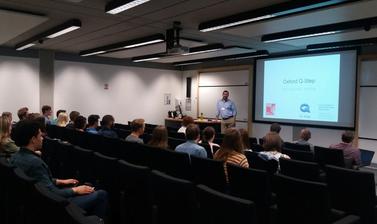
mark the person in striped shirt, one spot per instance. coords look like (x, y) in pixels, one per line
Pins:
(231, 150)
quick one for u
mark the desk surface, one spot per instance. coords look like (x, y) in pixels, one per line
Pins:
(205, 121)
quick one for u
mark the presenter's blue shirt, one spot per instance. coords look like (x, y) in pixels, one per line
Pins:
(226, 109)
(192, 148)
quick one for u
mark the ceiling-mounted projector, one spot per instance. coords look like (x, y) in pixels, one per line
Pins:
(173, 47)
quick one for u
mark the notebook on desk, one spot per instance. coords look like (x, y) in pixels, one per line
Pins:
(366, 157)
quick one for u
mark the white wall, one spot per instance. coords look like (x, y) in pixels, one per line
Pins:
(19, 78)
(132, 92)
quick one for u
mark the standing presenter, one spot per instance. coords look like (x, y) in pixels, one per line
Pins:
(226, 109)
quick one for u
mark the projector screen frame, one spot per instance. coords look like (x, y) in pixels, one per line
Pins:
(303, 53)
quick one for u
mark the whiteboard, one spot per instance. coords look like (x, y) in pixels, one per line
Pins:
(208, 97)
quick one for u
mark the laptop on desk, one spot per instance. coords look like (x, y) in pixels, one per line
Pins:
(366, 157)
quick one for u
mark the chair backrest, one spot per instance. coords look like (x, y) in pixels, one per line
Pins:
(176, 164)
(175, 134)
(294, 146)
(105, 171)
(326, 156)
(300, 169)
(261, 141)
(49, 205)
(216, 207)
(174, 198)
(208, 172)
(134, 153)
(299, 154)
(84, 163)
(207, 147)
(352, 191)
(257, 147)
(253, 140)
(253, 185)
(93, 142)
(174, 142)
(366, 157)
(300, 201)
(257, 162)
(135, 186)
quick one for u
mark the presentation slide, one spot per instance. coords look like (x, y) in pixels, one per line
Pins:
(311, 84)
(308, 89)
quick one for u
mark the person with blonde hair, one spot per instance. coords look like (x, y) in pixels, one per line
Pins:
(62, 120)
(7, 145)
(159, 137)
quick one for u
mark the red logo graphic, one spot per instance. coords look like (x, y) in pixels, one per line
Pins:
(270, 108)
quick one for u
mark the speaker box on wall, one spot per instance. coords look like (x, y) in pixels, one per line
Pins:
(188, 87)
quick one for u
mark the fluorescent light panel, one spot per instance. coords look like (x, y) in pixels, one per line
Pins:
(56, 31)
(277, 10)
(146, 59)
(343, 44)
(320, 30)
(66, 30)
(204, 49)
(116, 7)
(237, 23)
(25, 46)
(201, 52)
(302, 36)
(144, 43)
(94, 53)
(121, 46)
(188, 63)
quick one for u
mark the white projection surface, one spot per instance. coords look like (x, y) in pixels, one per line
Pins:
(311, 89)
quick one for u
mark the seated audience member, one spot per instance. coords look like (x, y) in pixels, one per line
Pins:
(350, 153)
(80, 123)
(92, 124)
(55, 121)
(159, 137)
(47, 113)
(231, 149)
(29, 137)
(272, 146)
(72, 117)
(22, 113)
(62, 120)
(8, 115)
(185, 122)
(305, 135)
(275, 127)
(137, 128)
(106, 127)
(208, 137)
(41, 120)
(245, 140)
(191, 145)
(7, 145)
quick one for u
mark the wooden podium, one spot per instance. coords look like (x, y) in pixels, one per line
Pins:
(202, 123)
